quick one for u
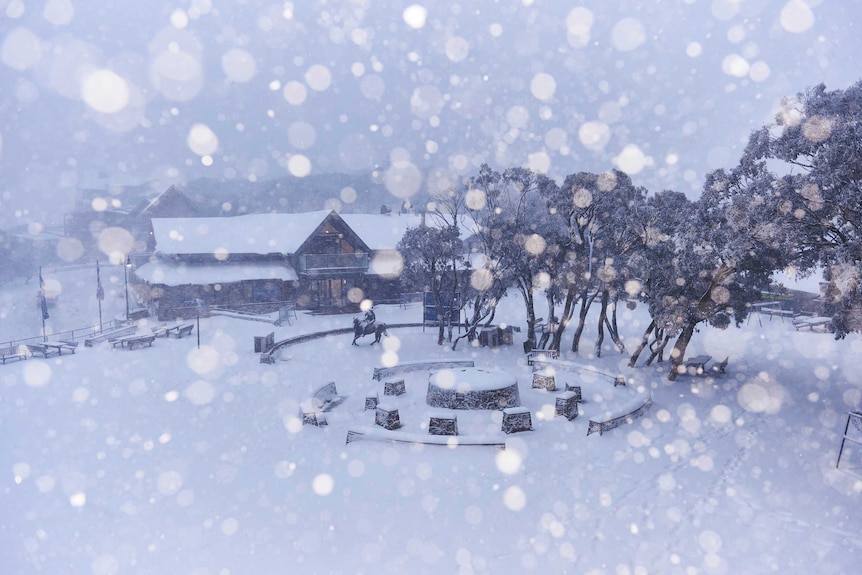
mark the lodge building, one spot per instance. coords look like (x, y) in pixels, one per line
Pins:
(321, 260)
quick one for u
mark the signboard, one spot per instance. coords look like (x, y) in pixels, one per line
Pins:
(429, 310)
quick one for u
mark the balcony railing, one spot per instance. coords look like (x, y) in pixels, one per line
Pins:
(330, 263)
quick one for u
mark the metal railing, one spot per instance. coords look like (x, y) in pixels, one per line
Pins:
(70, 335)
(333, 262)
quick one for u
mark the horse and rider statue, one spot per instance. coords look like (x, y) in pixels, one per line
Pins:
(368, 326)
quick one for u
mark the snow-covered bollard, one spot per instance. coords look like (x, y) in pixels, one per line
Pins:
(517, 419)
(371, 401)
(387, 416)
(443, 424)
(544, 380)
(310, 414)
(394, 387)
(577, 390)
(567, 405)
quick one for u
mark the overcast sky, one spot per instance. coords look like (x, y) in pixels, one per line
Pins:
(130, 91)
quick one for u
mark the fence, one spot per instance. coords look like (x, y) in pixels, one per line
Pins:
(71, 335)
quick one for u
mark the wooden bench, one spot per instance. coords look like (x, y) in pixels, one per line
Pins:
(542, 354)
(627, 414)
(812, 323)
(327, 397)
(46, 350)
(424, 365)
(377, 433)
(718, 368)
(67, 345)
(109, 335)
(12, 353)
(181, 330)
(130, 342)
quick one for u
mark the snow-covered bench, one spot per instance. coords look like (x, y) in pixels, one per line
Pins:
(132, 341)
(571, 366)
(625, 413)
(327, 397)
(541, 354)
(12, 353)
(812, 323)
(422, 365)
(110, 335)
(378, 433)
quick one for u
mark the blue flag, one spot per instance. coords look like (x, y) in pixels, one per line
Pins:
(42, 301)
(100, 293)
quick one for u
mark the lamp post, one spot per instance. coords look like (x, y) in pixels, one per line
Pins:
(126, 265)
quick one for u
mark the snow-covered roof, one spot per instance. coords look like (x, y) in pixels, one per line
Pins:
(381, 232)
(248, 234)
(175, 274)
(274, 233)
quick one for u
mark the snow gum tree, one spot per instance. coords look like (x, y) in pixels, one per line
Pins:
(431, 256)
(485, 286)
(815, 149)
(600, 213)
(515, 230)
(654, 273)
(725, 256)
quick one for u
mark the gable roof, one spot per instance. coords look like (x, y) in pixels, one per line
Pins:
(248, 234)
(277, 233)
(381, 232)
(169, 201)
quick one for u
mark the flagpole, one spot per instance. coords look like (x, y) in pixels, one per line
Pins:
(43, 305)
(100, 293)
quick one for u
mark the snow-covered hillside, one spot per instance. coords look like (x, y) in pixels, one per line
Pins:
(179, 459)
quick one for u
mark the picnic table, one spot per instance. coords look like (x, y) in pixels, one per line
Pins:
(110, 335)
(130, 341)
(697, 364)
(48, 348)
(812, 323)
(177, 330)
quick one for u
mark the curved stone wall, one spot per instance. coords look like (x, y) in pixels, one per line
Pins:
(471, 388)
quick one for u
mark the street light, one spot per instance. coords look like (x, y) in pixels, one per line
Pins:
(126, 266)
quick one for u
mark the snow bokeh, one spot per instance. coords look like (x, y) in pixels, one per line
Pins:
(177, 457)
(194, 459)
(514, 85)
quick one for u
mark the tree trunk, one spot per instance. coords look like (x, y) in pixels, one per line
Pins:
(614, 329)
(644, 341)
(660, 342)
(564, 321)
(603, 319)
(527, 294)
(678, 352)
(586, 302)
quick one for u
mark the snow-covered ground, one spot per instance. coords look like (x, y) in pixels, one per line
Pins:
(185, 460)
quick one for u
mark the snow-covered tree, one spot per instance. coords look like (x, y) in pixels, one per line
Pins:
(514, 226)
(725, 256)
(432, 256)
(599, 210)
(815, 149)
(660, 222)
